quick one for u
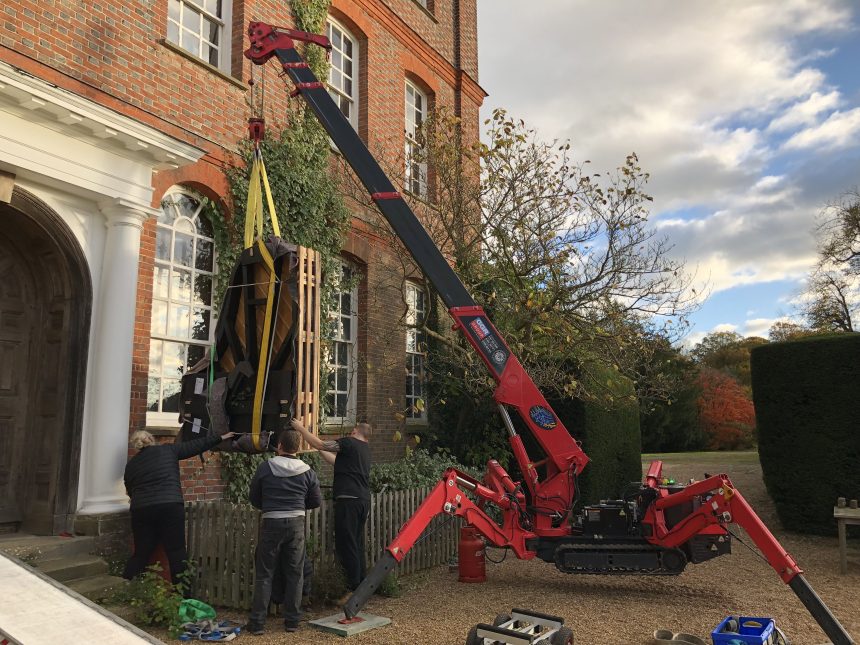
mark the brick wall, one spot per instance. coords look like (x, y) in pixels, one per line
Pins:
(114, 53)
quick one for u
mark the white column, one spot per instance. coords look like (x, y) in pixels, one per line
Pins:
(105, 441)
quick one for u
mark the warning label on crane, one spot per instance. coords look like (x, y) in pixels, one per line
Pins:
(488, 342)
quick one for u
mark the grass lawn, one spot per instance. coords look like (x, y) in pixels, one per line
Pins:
(736, 458)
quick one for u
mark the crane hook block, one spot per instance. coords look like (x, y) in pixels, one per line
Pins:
(256, 129)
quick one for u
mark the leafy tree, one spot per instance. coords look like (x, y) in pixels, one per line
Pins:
(726, 413)
(834, 299)
(729, 352)
(563, 261)
(832, 294)
(670, 420)
(784, 330)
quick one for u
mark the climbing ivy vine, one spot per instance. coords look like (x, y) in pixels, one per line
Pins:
(309, 206)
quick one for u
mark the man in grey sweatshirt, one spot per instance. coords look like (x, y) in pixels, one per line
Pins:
(283, 488)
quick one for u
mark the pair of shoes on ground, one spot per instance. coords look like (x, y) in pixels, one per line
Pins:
(259, 630)
(255, 629)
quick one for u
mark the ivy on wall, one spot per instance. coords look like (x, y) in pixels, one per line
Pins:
(309, 206)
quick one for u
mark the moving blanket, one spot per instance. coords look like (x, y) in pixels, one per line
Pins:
(248, 385)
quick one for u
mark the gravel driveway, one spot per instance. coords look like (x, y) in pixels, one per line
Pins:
(624, 610)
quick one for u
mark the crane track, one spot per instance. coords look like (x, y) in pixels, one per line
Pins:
(619, 559)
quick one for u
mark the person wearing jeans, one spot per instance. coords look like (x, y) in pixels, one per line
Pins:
(351, 459)
(157, 507)
(283, 488)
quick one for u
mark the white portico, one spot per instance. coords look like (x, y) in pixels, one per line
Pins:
(75, 191)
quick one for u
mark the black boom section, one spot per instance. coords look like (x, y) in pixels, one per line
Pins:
(396, 211)
(834, 630)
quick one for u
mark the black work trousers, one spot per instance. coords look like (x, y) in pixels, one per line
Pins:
(153, 525)
(281, 544)
(350, 516)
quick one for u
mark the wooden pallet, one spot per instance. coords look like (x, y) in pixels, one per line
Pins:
(309, 341)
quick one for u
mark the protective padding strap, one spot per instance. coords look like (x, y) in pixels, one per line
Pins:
(262, 365)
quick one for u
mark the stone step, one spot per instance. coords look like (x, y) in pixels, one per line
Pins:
(73, 567)
(34, 548)
(96, 588)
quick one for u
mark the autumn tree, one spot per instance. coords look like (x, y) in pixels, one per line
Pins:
(832, 295)
(784, 330)
(726, 413)
(729, 352)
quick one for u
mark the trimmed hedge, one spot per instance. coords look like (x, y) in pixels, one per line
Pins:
(609, 434)
(807, 400)
(419, 470)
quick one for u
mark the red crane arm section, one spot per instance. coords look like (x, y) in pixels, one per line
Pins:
(447, 497)
(723, 505)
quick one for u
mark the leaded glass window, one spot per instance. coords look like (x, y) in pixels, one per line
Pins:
(182, 321)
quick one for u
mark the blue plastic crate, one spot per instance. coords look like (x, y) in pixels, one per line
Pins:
(747, 635)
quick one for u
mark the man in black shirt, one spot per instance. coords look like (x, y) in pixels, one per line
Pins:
(350, 457)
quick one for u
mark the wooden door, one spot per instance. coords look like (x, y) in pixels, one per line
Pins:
(17, 323)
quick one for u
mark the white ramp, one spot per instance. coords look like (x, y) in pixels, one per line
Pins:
(36, 609)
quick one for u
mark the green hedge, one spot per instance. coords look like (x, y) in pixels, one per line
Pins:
(807, 400)
(419, 470)
(609, 432)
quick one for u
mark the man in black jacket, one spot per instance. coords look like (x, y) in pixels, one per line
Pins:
(283, 487)
(157, 507)
(350, 457)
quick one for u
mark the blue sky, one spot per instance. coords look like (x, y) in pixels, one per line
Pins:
(745, 112)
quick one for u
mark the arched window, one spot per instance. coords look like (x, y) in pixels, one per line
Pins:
(182, 317)
(416, 112)
(343, 70)
(341, 390)
(416, 349)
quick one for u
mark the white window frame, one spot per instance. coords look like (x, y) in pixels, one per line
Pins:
(412, 184)
(159, 337)
(416, 354)
(337, 92)
(338, 314)
(177, 28)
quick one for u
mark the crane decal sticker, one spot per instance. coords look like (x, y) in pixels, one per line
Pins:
(543, 417)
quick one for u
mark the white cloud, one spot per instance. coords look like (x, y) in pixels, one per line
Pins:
(805, 112)
(750, 327)
(725, 327)
(840, 130)
(761, 326)
(706, 94)
(691, 340)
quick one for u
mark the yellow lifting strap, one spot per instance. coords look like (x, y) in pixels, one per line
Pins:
(254, 224)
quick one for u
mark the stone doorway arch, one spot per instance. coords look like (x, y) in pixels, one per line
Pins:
(45, 305)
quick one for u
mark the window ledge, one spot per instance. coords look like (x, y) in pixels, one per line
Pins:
(427, 11)
(163, 431)
(199, 61)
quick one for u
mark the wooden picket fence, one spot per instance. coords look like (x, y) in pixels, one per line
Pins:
(222, 537)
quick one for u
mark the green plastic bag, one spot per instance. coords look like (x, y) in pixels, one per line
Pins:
(190, 611)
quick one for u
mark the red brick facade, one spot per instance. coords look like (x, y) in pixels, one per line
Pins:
(115, 53)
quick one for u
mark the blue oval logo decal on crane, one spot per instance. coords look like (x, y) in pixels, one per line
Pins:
(543, 417)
